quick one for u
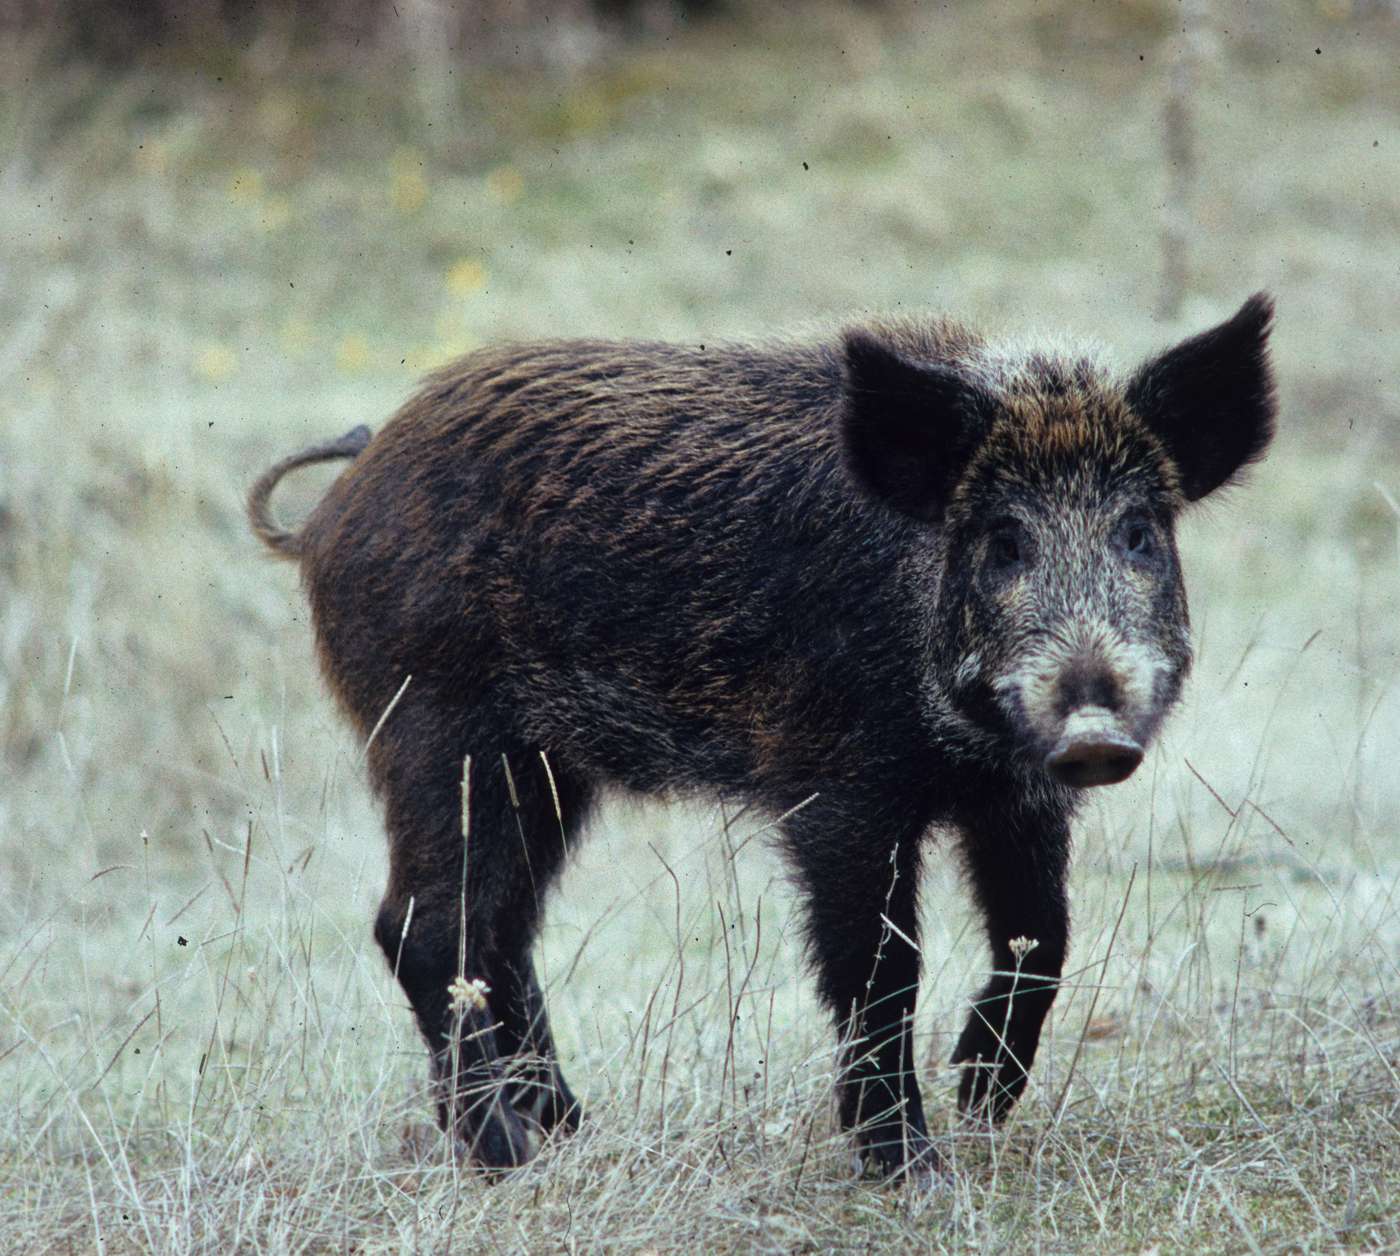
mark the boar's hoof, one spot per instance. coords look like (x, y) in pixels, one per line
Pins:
(1093, 750)
(908, 1159)
(499, 1143)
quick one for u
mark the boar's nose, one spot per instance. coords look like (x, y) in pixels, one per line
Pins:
(1093, 749)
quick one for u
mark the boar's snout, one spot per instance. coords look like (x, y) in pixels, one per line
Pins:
(1094, 749)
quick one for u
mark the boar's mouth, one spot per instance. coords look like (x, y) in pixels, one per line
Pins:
(1093, 749)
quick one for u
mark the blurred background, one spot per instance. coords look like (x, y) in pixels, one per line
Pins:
(233, 229)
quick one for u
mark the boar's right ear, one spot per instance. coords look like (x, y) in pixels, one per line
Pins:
(1210, 399)
(908, 428)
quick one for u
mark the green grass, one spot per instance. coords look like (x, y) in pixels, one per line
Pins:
(208, 265)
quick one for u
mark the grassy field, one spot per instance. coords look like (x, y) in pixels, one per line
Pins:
(214, 261)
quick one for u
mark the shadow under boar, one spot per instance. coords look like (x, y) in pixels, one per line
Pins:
(900, 580)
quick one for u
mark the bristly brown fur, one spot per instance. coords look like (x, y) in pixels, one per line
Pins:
(881, 574)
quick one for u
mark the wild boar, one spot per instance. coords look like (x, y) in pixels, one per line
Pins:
(906, 576)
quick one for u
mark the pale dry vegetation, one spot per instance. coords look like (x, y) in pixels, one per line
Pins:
(212, 262)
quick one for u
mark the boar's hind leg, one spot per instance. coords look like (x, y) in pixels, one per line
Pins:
(536, 1086)
(542, 836)
(509, 866)
(863, 929)
(1017, 862)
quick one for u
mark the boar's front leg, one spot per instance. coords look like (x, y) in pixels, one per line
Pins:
(1017, 859)
(862, 928)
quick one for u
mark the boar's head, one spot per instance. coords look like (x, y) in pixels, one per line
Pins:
(1047, 580)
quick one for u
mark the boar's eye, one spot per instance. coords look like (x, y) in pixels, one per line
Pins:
(1004, 549)
(1137, 538)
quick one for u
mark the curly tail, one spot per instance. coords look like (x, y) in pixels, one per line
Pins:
(274, 536)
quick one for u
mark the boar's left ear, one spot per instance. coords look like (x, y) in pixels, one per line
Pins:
(908, 428)
(1210, 399)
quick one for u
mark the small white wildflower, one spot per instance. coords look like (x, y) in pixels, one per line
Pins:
(1021, 947)
(468, 995)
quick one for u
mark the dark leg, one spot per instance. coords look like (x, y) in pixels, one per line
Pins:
(536, 1086)
(863, 931)
(510, 860)
(1017, 862)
